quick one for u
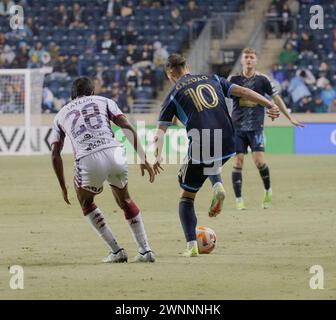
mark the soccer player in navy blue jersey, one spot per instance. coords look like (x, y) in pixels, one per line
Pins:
(198, 101)
(248, 119)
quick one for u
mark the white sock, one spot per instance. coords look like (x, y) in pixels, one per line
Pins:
(191, 244)
(97, 221)
(139, 233)
(239, 199)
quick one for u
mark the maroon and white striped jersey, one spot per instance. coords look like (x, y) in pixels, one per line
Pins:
(87, 123)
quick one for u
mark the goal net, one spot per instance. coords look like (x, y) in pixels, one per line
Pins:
(20, 110)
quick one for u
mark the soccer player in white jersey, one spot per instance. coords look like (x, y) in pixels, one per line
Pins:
(99, 157)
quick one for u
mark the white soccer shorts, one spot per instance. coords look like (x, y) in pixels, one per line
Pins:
(108, 165)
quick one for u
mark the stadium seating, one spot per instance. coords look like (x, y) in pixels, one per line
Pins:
(324, 51)
(151, 24)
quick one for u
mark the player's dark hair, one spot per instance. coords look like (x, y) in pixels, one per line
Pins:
(82, 86)
(176, 62)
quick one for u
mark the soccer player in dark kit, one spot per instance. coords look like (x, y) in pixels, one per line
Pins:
(248, 120)
(198, 101)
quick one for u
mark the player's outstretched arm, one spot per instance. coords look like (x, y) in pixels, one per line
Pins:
(272, 109)
(133, 138)
(158, 140)
(57, 163)
(282, 106)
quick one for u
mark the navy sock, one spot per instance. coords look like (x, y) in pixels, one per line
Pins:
(237, 180)
(188, 218)
(215, 178)
(265, 176)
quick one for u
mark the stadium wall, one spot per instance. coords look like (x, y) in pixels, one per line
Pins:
(279, 140)
(318, 137)
(315, 138)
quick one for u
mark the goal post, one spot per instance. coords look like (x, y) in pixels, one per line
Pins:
(21, 93)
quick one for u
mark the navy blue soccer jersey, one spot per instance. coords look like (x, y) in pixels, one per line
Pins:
(246, 115)
(198, 101)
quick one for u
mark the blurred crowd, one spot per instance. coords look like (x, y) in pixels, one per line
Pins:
(306, 66)
(280, 17)
(125, 58)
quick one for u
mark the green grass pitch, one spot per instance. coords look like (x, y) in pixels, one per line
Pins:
(260, 254)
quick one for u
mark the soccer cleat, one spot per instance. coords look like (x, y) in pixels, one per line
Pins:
(240, 205)
(267, 199)
(191, 253)
(217, 201)
(148, 256)
(118, 257)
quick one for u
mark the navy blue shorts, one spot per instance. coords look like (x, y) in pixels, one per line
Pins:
(252, 139)
(192, 176)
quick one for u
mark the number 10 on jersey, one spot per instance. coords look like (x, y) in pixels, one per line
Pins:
(198, 97)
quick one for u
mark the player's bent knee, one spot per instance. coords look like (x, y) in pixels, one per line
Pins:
(239, 162)
(238, 165)
(187, 195)
(259, 164)
(122, 201)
